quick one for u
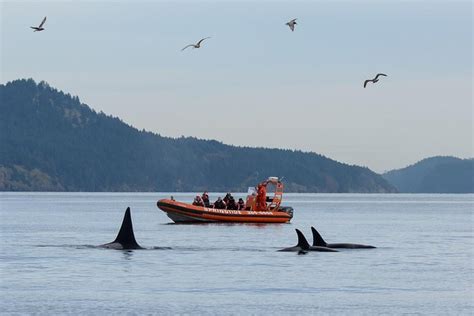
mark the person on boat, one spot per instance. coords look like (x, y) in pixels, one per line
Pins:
(240, 204)
(261, 204)
(205, 199)
(198, 201)
(231, 205)
(220, 204)
(227, 198)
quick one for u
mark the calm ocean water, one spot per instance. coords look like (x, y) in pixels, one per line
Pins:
(424, 263)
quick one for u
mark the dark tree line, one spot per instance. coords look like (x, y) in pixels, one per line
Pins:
(435, 175)
(78, 149)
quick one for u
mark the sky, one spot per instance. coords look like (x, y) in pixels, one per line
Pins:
(256, 83)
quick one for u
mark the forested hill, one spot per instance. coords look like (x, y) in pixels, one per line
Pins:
(52, 142)
(435, 175)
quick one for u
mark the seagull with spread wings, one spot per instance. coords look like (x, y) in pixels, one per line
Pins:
(376, 79)
(292, 24)
(40, 27)
(197, 45)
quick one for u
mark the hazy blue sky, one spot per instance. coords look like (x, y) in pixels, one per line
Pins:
(255, 82)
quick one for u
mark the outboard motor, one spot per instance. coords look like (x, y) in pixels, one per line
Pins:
(287, 209)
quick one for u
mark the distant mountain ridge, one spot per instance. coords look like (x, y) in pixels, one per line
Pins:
(435, 175)
(50, 141)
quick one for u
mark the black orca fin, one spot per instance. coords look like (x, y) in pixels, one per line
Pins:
(126, 237)
(302, 242)
(317, 239)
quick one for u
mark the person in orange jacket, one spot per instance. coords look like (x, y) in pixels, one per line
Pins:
(261, 197)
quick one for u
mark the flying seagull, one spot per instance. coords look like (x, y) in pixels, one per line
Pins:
(292, 24)
(40, 27)
(376, 79)
(197, 45)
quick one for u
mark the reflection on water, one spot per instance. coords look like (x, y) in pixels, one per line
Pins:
(127, 254)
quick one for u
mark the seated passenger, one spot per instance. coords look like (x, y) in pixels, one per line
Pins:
(205, 199)
(220, 204)
(231, 205)
(227, 197)
(241, 204)
(198, 201)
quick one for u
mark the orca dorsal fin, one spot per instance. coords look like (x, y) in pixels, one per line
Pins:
(317, 239)
(302, 242)
(126, 237)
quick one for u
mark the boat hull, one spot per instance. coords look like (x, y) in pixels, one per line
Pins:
(181, 212)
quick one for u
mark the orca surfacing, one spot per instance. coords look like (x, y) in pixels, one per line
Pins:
(319, 241)
(126, 238)
(303, 246)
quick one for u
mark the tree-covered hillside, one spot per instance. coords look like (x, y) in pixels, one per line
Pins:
(435, 175)
(51, 141)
